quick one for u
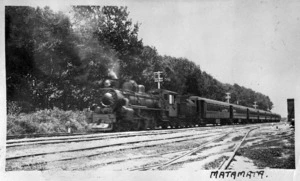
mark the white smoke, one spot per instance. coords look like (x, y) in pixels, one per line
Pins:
(112, 74)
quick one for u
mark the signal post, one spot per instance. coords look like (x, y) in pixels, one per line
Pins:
(157, 78)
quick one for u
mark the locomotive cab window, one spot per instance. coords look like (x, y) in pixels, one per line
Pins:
(171, 99)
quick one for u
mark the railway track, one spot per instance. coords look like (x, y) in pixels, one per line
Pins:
(75, 139)
(40, 159)
(39, 135)
(44, 136)
(181, 154)
(224, 165)
(86, 152)
(90, 137)
(170, 162)
(172, 139)
(227, 162)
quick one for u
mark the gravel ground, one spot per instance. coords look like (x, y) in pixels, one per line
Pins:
(270, 146)
(110, 150)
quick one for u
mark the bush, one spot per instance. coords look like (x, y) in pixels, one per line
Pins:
(46, 121)
(13, 108)
(17, 107)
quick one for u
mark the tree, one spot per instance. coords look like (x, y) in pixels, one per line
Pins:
(19, 48)
(40, 54)
(54, 60)
(115, 32)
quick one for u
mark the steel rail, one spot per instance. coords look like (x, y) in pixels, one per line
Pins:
(80, 139)
(170, 162)
(71, 138)
(102, 146)
(227, 162)
(97, 147)
(118, 144)
(133, 133)
(79, 135)
(105, 152)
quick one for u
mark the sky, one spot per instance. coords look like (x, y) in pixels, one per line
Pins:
(254, 43)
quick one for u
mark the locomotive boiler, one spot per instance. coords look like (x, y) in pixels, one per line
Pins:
(128, 108)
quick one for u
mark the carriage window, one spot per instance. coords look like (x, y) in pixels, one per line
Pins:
(213, 107)
(224, 109)
(239, 110)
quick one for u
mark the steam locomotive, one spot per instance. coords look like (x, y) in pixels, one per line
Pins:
(131, 108)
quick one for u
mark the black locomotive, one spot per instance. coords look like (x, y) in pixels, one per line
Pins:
(131, 108)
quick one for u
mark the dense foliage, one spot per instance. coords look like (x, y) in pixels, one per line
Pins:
(58, 60)
(47, 121)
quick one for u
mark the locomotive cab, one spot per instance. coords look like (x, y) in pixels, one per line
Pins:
(171, 106)
(169, 103)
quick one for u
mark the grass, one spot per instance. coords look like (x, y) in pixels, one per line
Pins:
(46, 122)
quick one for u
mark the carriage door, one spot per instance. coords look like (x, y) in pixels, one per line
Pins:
(203, 109)
(230, 112)
(172, 105)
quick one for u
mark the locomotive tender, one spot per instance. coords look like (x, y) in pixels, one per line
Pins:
(131, 108)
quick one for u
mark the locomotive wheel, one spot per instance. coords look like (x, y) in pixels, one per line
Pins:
(172, 126)
(182, 125)
(136, 126)
(116, 127)
(164, 126)
(147, 124)
(125, 127)
(152, 124)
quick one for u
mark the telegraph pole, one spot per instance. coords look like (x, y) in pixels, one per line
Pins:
(227, 96)
(157, 78)
(255, 105)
